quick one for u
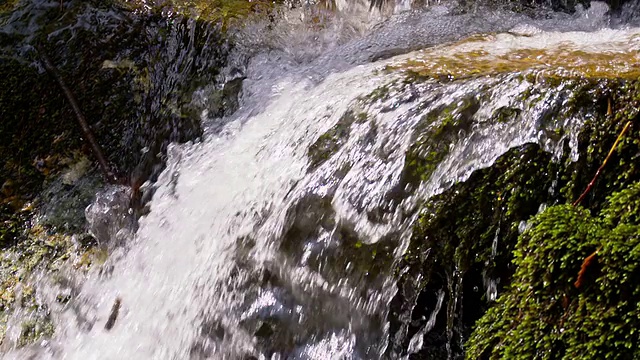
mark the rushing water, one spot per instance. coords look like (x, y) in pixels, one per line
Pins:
(255, 247)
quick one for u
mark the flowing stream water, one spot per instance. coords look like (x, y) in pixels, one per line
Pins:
(276, 235)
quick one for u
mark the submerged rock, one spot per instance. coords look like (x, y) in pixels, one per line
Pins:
(110, 219)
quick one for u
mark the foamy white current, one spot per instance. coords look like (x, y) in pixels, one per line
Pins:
(197, 280)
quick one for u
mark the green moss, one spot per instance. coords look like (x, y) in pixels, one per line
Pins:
(34, 330)
(442, 127)
(41, 250)
(506, 114)
(331, 141)
(379, 93)
(609, 105)
(7, 5)
(543, 314)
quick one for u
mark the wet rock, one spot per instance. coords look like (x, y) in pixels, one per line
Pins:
(110, 218)
(63, 203)
(461, 250)
(468, 267)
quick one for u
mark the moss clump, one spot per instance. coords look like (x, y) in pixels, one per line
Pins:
(37, 322)
(506, 114)
(379, 93)
(7, 5)
(331, 141)
(443, 127)
(34, 330)
(41, 250)
(543, 314)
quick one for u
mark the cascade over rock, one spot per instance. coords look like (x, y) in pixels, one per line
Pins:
(322, 184)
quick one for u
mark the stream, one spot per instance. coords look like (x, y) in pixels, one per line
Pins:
(278, 235)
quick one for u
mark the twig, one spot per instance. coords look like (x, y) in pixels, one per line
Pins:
(86, 130)
(585, 265)
(595, 177)
(113, 315)
(589, 260)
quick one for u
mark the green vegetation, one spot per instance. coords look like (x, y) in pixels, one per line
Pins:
(331, 141)
(42, 249)
(463, 234)
(543, 315)
(444, 126)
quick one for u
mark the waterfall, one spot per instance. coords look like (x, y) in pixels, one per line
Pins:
(277, 235)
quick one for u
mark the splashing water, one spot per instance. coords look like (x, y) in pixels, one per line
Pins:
(276, 236)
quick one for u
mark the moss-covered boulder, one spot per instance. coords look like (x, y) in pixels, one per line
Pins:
(466, 244)
(547, 313)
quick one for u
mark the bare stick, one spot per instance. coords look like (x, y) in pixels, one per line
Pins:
(86, 130)
(595, 177)
(588, 261)
(113, 315)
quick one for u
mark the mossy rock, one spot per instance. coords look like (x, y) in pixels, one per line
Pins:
(442, 128)
(41, 250)
(464, 238)
(453, 253)
(543, 314)
(618, 103)
(330, 142)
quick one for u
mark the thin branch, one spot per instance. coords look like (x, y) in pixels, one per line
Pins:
(595, 177)
(591, 259)
(82, 121)
(588, 261)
